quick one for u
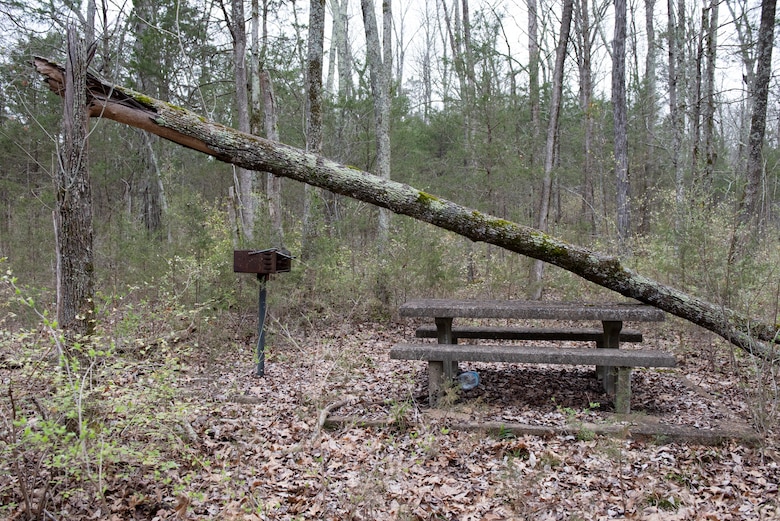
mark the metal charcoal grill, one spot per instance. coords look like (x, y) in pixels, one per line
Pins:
(263, 263)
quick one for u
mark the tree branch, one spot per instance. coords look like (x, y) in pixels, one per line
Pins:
(244, 150)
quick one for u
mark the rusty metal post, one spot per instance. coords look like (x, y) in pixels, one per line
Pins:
(263, 263)
(262, 278)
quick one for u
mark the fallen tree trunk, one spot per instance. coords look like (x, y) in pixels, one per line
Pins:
(254, 153)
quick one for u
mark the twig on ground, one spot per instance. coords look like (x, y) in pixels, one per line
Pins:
(321, 420)
(326, 411)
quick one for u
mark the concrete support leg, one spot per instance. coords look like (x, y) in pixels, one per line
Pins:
(623, 390)
(445, 336)
(610, 340)
(435, 382)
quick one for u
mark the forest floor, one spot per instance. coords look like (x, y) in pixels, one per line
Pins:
(337, 430)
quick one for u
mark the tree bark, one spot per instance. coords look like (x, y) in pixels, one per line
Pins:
(379, 58)
(537, 270)
(675, 113)
(73, 214)
(273, 184)
(313, 119)
(620, 116)
(246, 177)
(533, 78)
(749, 208)
(584, 57)
(193, 131)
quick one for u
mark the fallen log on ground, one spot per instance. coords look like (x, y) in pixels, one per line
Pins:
(191, 130)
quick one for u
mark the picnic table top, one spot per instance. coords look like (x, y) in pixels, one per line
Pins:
(525, 309)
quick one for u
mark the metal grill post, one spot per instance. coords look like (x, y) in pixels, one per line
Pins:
(261, 306)
(263, 263)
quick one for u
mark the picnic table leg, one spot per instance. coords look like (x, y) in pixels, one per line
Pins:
(435, 381)
(444, 331)
(623, 392)
(610, 340)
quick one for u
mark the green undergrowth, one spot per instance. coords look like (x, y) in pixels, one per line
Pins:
(82, 418)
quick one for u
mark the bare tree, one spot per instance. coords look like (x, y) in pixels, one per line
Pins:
(458, 33)
(343, 51)
(744, 30)
(750, 211)
(380, 61)
(426, 60)
(708, 113)
(533, 76)
(676, 116)
(264, 102)
(246, 178)
(73, 214)
(649, 113)
(343, 142)
(703, 149)
(313, 115)
(537, 272)
(146, 50)
(584, 44)
(273, 182)
(620, 117)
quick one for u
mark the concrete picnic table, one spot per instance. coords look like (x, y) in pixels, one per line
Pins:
(611, 315)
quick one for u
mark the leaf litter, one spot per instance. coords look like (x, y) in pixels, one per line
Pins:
(336, 430)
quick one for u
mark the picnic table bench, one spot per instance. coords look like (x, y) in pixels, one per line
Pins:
(613, 366)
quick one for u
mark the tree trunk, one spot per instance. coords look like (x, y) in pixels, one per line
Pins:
(246, 177)
(620, 118)
(193, 131)
(341, 37)
(273, 182)
(584, 56)
(313, 119)
(427, 63)
(149, 180)
(708, 112)
(73, 214)
(675, 113)
(263, 103)
(746, 44)
(342, 141)
(155, 205)
(750, 212)
(649, 115)
(537, 271)
(696, 103)
(533, 79)
(379, 58)
(459, 36)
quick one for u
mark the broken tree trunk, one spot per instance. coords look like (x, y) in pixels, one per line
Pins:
(244, 150)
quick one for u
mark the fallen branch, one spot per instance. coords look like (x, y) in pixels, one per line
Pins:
(254, 153)
(639, 430)
(324, 415)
